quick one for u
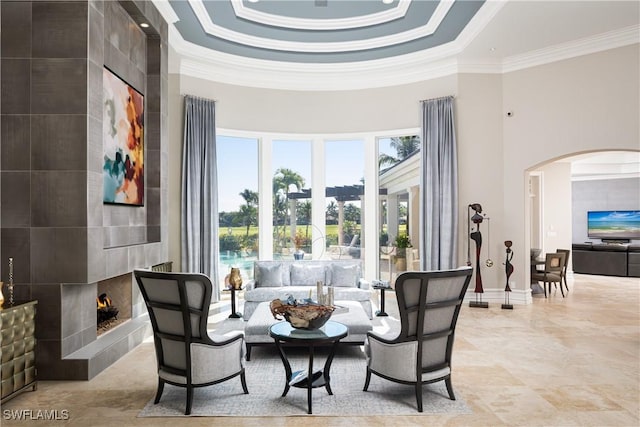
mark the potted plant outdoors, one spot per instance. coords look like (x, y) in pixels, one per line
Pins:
(401, 243)
(298, 242)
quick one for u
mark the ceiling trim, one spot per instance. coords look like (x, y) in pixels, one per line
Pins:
(320, 77)
(604, 176)
(166, 11)
(250, 14)
(585, 46)
(215, 30)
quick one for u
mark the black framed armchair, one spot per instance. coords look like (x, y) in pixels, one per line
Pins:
(187, 356)
(429, 304)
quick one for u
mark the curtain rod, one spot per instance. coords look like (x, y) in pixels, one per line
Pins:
(440, 97)
(198, 97)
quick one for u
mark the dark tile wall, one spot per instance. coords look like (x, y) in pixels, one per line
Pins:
(52, 220)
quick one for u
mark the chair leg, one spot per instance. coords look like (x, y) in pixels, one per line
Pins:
(248, 355)
(243, 380)
(561, 289)
(160, 389)
(189, 400)
(447, 381)
(366, 382)
(544, 285)
(419, 395)
(565, 283)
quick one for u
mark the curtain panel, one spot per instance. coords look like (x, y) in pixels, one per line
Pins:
(199, 203)
(438, 186)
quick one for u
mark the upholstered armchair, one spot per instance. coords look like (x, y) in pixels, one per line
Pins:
(178, 305)
(429, 304)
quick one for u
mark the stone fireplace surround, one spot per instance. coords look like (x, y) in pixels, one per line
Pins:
(63, 239)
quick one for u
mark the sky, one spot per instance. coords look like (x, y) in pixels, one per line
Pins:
(238, 164)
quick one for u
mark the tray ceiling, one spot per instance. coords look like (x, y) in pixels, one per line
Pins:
(322, 31)
(351, 44)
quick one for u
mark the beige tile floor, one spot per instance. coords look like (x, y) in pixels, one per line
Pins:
(556, 362)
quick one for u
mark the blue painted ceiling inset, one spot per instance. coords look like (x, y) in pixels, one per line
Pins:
(223, 15)
(418, 14)
(307, 9)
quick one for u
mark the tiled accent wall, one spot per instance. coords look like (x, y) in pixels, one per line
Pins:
(52, 219)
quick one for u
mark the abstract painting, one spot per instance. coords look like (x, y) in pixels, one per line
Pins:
(123, 142)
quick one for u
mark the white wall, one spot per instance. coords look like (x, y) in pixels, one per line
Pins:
(578, 105)
(269, 110)
(480, 173)
(556, 204)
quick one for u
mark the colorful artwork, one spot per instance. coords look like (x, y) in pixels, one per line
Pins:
(123, 142)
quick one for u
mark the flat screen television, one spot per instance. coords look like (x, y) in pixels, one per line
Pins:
(613, 224)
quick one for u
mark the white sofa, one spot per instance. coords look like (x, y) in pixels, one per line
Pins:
(278, 279)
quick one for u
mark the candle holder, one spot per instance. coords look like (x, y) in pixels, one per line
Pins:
(10, 285)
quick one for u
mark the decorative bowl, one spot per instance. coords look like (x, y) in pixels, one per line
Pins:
(301, 316)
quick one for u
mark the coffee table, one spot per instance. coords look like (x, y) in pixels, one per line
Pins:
(351, 314)
(330, 334)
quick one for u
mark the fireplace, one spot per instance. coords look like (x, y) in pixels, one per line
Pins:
(113, 303)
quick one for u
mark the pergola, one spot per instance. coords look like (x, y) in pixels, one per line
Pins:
(342, 194)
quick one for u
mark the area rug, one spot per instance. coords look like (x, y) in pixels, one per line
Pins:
(265, 381)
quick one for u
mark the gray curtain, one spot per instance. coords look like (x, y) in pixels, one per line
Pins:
(199, 202)
(438, 186)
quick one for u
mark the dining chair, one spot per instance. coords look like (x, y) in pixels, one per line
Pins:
(566, 253)
(552, 273)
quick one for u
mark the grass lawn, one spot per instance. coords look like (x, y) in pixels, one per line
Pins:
(330, 230)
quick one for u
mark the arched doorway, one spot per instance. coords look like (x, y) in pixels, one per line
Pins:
(563, 189)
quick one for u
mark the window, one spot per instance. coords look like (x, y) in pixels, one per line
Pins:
(291, 167)
(344, 167)
(399, 181)
(288, 220)
(238, 204)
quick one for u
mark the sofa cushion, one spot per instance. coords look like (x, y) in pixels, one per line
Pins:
(307, 275)
(344, 275)
(301, 292)
(269, 276)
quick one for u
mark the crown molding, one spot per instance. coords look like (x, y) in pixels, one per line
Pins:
(166, 11)
(572, 49)
(316, 77)
(605, 177)
(264, 18)
(215, 30)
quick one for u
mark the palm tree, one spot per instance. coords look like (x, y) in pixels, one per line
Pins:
(283, 179)
(248, 215)
(249, 211)
(305, 215)
(404, 146)
(250, 197)
(331, 215)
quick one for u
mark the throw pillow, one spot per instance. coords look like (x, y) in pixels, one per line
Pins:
(306, 275)
(270, 276)
(344, 275)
